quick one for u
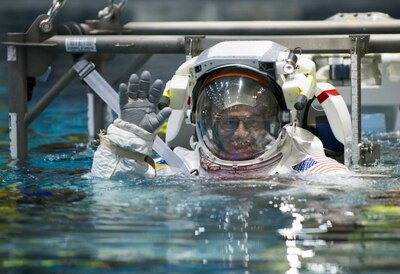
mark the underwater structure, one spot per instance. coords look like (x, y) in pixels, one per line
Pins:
(358, 52)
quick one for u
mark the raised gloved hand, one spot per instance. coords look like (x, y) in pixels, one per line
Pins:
(138, 102)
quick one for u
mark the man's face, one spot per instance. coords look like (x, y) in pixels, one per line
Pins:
(243, 134)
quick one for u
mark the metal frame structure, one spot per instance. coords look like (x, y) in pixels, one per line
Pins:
(30, 54)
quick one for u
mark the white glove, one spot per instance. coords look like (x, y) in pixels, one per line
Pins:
(138, 101)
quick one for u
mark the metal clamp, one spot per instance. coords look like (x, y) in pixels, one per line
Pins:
(84, 68)
(370, 154)
(47, 25)
(109, 11)
(359, 44)
(192, 46)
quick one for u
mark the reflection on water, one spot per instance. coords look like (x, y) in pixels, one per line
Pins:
(56, 219)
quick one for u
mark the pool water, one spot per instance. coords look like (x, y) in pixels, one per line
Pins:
(55, 219)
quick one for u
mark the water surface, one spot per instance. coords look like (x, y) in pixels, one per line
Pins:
(54, 219)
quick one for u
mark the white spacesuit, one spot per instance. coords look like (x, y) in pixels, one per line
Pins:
(251, 105)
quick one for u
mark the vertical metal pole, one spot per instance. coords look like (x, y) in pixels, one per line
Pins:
(96, 114)
(355, 102)
(359, 47)
(17, 97)
(96, 108)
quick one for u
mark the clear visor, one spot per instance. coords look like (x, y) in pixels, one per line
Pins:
(237, 118)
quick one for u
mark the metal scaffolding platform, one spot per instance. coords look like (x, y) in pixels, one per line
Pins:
(32, 52)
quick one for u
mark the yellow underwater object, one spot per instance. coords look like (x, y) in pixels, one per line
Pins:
(384, 210)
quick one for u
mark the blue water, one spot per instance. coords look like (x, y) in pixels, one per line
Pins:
(54, 219)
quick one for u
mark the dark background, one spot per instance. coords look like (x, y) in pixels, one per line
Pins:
(17, 16)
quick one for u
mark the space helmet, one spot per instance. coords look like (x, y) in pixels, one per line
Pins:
(238, 96)
(238, 116)
(240, 105)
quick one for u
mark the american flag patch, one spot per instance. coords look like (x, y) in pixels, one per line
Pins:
(316, 165)
(305, 164)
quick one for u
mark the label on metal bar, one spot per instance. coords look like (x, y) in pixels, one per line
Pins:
(11, 53)
(80, 44)
(13, 135)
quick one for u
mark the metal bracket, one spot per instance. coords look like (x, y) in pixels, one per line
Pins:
(47, 24)
(192, 46)
(84, 68)
(108, 12)
(359, 44)
(370, 154)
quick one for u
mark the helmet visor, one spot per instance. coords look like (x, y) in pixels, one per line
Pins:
(237, 116)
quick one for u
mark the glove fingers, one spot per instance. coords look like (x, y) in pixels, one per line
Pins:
(156, 91)
(163, 115)
(123, 95)
(144, 84)
(155, 122)
(133, 86)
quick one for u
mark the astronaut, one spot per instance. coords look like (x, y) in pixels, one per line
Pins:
(249, 106)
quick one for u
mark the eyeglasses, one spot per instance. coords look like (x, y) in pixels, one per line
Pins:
(230, 124)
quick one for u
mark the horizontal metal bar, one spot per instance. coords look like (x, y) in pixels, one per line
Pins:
(152, 44)
(175, 44)
(384, 43)
(262, 27)
(379, 43)
(122, 43)
(308, 44)
(29, 44)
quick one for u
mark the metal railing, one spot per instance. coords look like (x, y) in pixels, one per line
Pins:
(30, 53)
